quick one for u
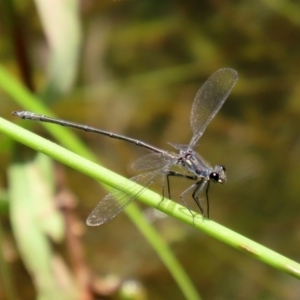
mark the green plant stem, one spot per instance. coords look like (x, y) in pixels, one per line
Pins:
(153, 199)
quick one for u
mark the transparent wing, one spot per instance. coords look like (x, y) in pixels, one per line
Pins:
(152, 161)
(117, 200)
(209, 100)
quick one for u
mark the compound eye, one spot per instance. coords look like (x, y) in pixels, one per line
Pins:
(214, 176)
(223, 168)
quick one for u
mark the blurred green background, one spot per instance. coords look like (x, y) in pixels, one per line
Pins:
(134, 67)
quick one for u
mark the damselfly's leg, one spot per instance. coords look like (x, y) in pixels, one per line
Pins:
(197, 192)
(207, 199)
(167, 175)
(197, 187)
(176, 174)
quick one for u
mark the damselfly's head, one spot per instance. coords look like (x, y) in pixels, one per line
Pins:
(218, 174)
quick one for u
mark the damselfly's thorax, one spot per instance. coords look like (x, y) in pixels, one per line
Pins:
(190, 161)
(195, 164)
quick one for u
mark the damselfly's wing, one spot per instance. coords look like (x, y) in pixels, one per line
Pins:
(154, 161)
(209, 100)
(117, 200)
